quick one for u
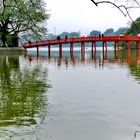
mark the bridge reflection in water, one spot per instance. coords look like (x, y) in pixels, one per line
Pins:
(89, 56)
(106, 97)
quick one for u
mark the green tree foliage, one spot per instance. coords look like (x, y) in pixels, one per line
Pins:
(109, 32)
(21, 16)
(63, 34)
(135, 27)
(95, 32)
(121, 30)
(75, 34)
(69, 35)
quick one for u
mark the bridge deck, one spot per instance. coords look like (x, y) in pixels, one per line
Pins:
(82, 40)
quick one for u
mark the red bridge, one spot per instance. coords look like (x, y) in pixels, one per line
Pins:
(93, 39)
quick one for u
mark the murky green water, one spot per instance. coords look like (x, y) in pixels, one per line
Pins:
(79, 97)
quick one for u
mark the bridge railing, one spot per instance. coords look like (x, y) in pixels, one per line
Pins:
(81, 39)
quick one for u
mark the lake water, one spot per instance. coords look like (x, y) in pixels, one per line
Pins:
(79, 97)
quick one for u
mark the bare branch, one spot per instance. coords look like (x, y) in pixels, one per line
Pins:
(124, 9)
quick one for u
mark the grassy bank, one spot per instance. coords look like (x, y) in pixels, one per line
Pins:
(13, 50)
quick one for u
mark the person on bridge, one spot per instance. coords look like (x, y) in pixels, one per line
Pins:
(99, 36)
(66, 37)
(29, 42)
(58, 37)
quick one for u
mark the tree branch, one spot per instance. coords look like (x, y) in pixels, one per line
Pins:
(119, 6)
(124, 9)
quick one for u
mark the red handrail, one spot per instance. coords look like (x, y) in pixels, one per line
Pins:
(82, 39)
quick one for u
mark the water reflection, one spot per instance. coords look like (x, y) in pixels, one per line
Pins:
(100, 58)
(22, 99)
(104, 78)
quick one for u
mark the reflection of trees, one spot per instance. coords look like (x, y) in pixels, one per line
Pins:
(134, 66)
(135, 70)
(21, 93)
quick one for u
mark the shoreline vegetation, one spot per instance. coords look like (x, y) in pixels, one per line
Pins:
(12, 50)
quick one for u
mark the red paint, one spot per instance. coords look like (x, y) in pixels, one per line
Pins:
(82, 40)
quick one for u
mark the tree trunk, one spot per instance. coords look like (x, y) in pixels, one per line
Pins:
(3, 39)
(12, 40)
(3, 32)
(15, 40)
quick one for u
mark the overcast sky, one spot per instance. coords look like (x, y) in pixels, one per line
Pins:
(84, 16)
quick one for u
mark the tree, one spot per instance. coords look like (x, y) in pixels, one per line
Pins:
(135, 27)
(21, 16)
(121, 30)
(63, 34)
(95, 32)
(75, 34)
(109, 32)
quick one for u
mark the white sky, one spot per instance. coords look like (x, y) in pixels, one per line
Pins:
(84, 16)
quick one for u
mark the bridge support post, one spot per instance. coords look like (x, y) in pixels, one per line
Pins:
(93, 50)
(82, 51)
(118, 47)
(103, 50)
(71, 49)
(37, 51)
(139, 48)
(125, 44)
(105, 46)
(49, 51)
(82, 47)
(115, 46)
(137, 45)
(124, 50)
(60, 50)
(92, 46)
(129, 49)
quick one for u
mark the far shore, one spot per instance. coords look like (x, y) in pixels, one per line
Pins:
(13, 50)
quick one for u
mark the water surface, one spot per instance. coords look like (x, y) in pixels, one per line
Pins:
(75, 97)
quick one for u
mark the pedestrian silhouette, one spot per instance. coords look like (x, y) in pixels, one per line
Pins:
(58, 37)
(66, 36)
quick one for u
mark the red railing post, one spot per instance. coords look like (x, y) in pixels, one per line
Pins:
(105, 46)
(94, 46)
(82, 47)
(60, 50)
(93, 51)
(71, 49)
(115, 48)
(103, 49)
(129, 49)
(49, 51)
(37, 49)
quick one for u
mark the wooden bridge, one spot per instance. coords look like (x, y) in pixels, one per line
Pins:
(93, 39)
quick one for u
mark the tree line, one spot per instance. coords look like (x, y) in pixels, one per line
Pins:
(107, 32)
(27, 17)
